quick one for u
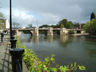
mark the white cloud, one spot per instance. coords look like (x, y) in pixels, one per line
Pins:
(19, 16)
(22, 14)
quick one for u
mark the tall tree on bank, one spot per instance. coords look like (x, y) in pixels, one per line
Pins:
(92, 16)
(90, 27)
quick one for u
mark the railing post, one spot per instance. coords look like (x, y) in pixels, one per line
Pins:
(13, 43)
(16, 54)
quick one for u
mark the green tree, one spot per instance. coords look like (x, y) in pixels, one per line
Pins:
(92, 16)
(90, 27)
(65, 23)
(44, 25)
(61, 25)
(69, 24)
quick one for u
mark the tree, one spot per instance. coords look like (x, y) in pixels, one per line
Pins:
(65, 23)
(69, 24)
(90, 27)
(61, 25)
(92, 16)
(45, 25)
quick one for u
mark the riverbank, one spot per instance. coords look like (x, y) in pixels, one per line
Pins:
(92, 36)
(85, 34)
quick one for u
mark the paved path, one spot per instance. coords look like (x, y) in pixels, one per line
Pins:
(5, 57)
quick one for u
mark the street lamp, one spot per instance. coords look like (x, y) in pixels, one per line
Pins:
(10, 19)
(12, 40)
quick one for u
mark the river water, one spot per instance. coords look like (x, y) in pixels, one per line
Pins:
(67, 49)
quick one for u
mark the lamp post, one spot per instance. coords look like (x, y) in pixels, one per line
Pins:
(16, 53)
(10, 19)
(12, 40)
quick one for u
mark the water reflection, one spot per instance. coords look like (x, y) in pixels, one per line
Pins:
(50, 38)
(65, 40)
(34, 39)
(92, 52)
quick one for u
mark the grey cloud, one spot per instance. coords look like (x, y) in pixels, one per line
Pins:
(75, 10)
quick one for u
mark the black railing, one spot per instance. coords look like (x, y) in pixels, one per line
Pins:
(18, 67)
(16, 54)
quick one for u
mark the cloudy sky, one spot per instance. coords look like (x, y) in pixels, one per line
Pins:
(38, 12)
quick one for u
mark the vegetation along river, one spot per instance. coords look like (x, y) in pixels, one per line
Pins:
(67, 49)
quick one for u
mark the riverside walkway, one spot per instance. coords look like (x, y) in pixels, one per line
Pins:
(5, 57)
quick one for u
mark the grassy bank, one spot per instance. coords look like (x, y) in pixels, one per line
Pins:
(34, 64)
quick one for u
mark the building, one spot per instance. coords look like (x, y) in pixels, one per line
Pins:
(4, 24)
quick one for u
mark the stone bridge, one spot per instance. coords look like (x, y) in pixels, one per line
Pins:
(49, 31)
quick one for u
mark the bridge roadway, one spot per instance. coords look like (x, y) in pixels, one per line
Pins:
(26, 29)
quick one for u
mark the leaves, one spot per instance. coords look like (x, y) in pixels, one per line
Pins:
(64, 23)
(63, 68)
(81, 67)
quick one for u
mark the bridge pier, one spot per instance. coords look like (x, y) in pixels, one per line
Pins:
(82, 32)
(75, 32)
(50, 31)
(31, 32)
(18, 33)
(36, 32)
(63, 31)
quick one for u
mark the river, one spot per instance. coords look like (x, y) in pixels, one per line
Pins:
(67, 49)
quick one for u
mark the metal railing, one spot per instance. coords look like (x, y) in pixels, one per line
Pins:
(16, 54)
